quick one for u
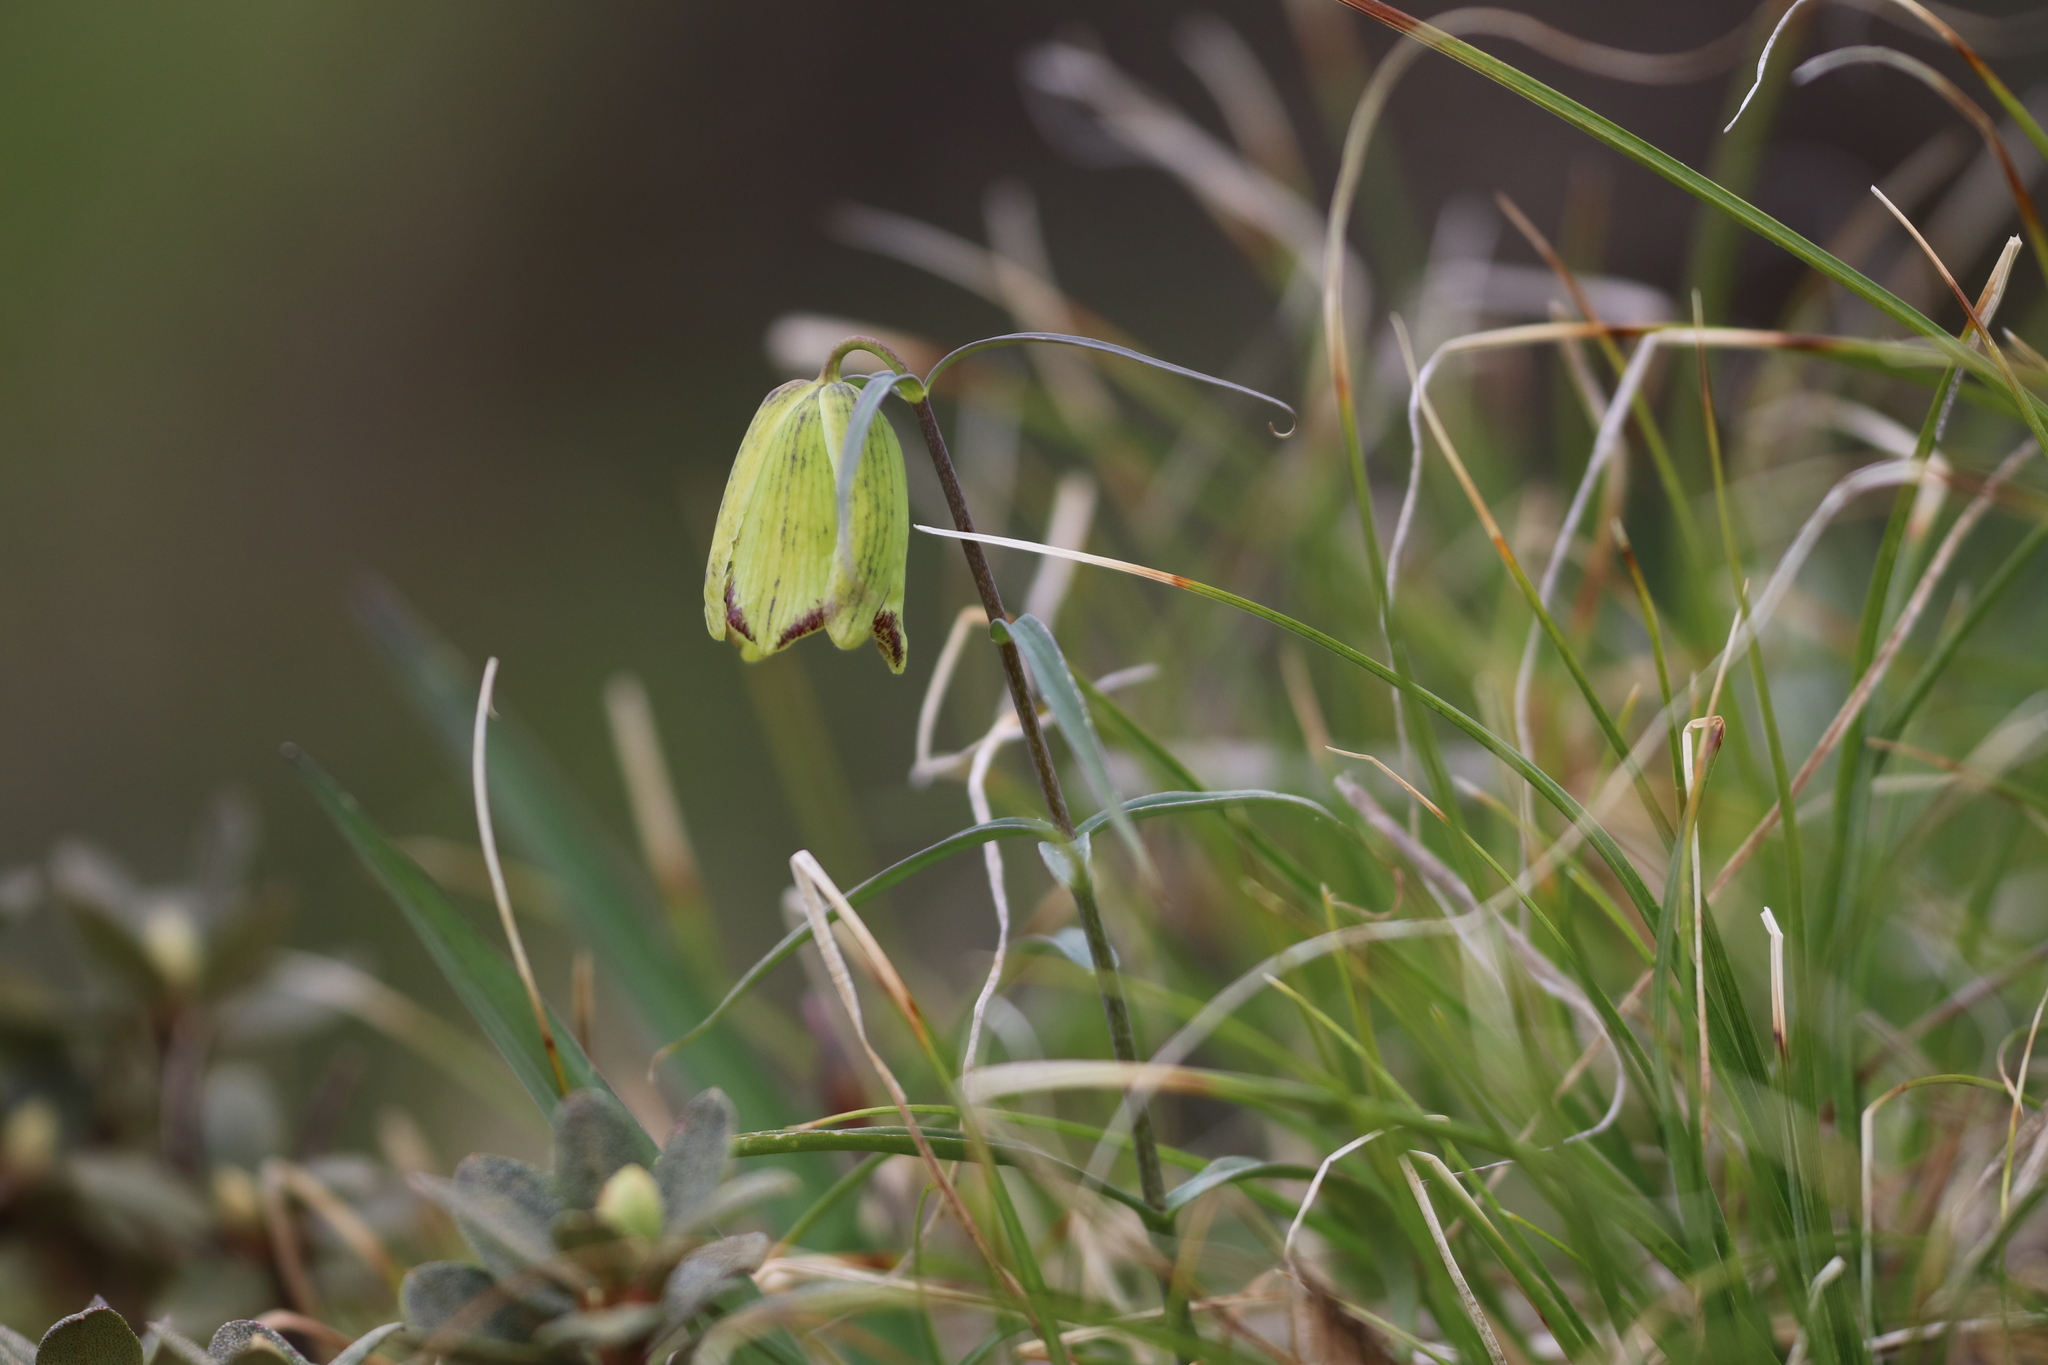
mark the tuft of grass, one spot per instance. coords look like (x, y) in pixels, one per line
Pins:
(1460, 1019)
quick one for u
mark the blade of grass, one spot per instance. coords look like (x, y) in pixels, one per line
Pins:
(1643, 153)
(485, 982)
(615, 905)
(1004, 827)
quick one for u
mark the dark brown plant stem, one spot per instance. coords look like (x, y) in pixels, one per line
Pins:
(1122, 1040)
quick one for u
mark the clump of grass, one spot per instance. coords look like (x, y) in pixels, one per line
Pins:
(1452, 991)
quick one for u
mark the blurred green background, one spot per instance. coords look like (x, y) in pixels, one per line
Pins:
(471, 296)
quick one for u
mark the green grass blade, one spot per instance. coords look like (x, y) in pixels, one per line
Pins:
(1995, 588)
(1692, 182)
(484, 981)
(1063, 697)
(1108, 348)
(974, 836)
(1737, 1035)
(616, 908)
(1130, 733)
(1169, 803)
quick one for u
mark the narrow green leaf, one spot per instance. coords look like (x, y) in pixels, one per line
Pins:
(615, 905)
(1605, 130)
(1070, 943)
(1224, 1170)
(1729, 1020)
(1108, 348)
(486, 983)
(1063, 695)
(1169, 803)
(974, 836)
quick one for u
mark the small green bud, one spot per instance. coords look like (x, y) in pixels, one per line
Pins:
(630, 1202)
(171, 942)
(29, 1137)
(776, 573)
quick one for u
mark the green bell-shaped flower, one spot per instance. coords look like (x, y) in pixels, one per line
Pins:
(780, 567)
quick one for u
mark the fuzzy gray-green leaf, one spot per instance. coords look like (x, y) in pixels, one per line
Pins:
(364, 1346)
(594, 1136)
(16, 1349)
(97, 1336)
(505, 1210)
(441, 1293)
(601, 1327)
(706, 1273)
(239, 1341)
(693, 1162)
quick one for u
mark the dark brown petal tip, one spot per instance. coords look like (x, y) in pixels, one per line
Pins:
(889, 639)
(812, 620)
(735, 619)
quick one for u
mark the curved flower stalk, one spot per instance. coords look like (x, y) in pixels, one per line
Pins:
(810, 536)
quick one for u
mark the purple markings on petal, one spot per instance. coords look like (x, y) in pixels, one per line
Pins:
(814, 619)
(735, 619)
(889, 638)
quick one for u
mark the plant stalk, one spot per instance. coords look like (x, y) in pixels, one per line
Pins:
(1122, 1039)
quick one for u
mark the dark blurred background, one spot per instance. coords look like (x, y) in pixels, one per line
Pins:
(471, 296)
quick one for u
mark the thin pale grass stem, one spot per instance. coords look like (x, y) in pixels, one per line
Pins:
(1697, 762)
(1947, 33)
(1443, 1246)
(1149, 1076)
(1759, 677)
(347, 1225)
(923, 765)
(992, 860)
(1867, 1178)
(1779, 1036)
(1994, 142)
(2018, 1087)
(1073, 512)
(1529, 592)
(1646, 421)
(480, 786)
(1935, 1331)
(1399, 780)
(650, 791)
(287, 1256)
(1827, 1275)
(1584, 826)
(1584, 820)
(1608, 437)
(1606, 441)
(815, 887)
(2022, 397)
(1909, 616)
(1540, 969)
(1607, 444)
